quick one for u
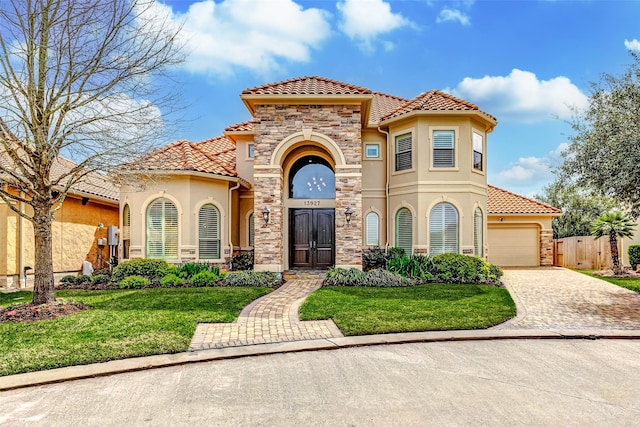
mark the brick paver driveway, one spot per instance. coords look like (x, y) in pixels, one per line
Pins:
(558, 298)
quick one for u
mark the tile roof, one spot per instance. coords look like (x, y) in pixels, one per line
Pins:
(434, 100)
(309, 85)
(505, 202)
(248, 126)
(383, 104)
(215, 156)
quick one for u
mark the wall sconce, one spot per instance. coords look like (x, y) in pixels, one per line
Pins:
(265, 215)
(347, 214)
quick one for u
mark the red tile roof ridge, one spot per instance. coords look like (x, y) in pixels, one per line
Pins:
(245, 126)
(524, 198)
(195, 146)
(399, 98)
(270, 88)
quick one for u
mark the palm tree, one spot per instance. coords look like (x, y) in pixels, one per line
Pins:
(613, 224)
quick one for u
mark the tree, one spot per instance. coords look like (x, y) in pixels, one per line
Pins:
(81, 78)
(604, 153)
(579, 207)
(614, 225)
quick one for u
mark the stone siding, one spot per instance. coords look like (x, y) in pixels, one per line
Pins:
(546, 248)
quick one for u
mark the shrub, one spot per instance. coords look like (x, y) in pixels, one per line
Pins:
(68, 279)
(152, 269)
(254, 279)
(133, 282)
(204, 278)
(495, 273)
(101, 272)
(634, 256)
(395, 252)
(101, 279)
(416, 267)
(374, 258)
(171, 281)
(190, 269)
(456, 268)
(242, 261)
(82, 279)
(385, 279)
(344, 277)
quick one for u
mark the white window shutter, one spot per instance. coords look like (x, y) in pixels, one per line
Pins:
(252, 230)
(404, 230)
(209, 232)
(443, 229)
(478, 243)
(373, 226)
(162, 230)
(443, 148)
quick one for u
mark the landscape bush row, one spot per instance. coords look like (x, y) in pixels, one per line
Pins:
(393, 268)
(144, 273)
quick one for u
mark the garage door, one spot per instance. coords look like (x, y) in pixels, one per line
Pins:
(513, 246)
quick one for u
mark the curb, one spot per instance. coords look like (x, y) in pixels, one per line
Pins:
(70, 373)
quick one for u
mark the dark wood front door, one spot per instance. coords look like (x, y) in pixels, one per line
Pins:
(312, 236)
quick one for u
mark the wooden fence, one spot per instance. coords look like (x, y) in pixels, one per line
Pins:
(584, 252)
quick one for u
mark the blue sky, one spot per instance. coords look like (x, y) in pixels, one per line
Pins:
(525, 62)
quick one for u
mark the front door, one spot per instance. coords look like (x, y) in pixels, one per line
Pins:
(312, 233)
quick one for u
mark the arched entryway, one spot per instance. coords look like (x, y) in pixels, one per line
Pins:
(310, 199)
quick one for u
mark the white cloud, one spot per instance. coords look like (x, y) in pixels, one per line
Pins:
(449, 15)
(632, 45)
(260, 36)
(520, 96)
(365, 20)
(532, 170)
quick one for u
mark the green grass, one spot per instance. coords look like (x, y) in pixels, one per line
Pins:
(633, 284)
(121, 324)
(362, 311)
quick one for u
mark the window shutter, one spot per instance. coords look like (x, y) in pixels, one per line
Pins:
(404, 230)
(477, 233)
(403, 152)
(372, 229)
(252, 230)
(443, 229)
(126, 223)
(209, 232)
(162, 230)
(443, 149)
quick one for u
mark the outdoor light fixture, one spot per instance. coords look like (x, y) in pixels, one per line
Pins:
(265, 215)
(347, 214)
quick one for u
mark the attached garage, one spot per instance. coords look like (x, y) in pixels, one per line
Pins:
(519, 232)
(514, 246)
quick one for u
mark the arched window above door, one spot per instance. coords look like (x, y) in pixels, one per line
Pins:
(312, 178)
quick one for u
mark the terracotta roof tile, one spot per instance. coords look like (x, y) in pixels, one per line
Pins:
(383, 104)
(309, 85)
(505, 202)
(434, 100)
(248, 126)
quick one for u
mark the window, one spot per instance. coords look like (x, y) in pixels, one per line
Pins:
(373, 225)
(312, 178)
(126, 231)
(404, 230)
(162, 229)
(477, 151)
(443, 149)
(477, 233)
(209, 232)
(443, 229)
(403, 152)
(250, 152)
(372, 151)
(252, 231)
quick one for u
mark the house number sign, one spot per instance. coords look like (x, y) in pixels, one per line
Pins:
(312, 202)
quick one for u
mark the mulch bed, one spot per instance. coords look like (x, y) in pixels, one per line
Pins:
(30, 312)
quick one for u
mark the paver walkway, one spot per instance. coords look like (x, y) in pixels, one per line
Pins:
(558, 298)
(270, 319)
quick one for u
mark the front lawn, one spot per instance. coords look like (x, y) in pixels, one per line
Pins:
(365, 310)
(631, 283)
(121, 324)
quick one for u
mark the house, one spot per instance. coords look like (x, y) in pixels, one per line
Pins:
(324, 169)
(79, 229)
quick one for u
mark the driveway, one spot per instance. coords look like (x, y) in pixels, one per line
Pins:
(558, 298)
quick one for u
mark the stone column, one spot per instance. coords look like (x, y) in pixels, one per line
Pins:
(349, 235)
(268, 239)
(546, 248)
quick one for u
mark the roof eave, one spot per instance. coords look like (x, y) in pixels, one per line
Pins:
(489, 121)
(553, 214)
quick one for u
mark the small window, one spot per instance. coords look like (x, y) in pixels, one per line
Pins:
(404, 230)
(443, 148)
(373, 232)
(209, 232)
(252, 231)
(403, 152)
(372, 151)
(126, 231)
(250, 151)
(477, 233)
(477, 151)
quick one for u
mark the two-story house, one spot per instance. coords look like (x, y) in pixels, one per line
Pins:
(325, 169)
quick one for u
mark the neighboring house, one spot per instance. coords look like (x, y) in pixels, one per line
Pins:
(87, 211)
(325, 169)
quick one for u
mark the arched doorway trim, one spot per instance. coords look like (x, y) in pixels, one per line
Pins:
(292, 140)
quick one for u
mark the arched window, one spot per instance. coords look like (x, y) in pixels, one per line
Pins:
(373, 229)
(312, 178)
(126, 231)
(443, 229)
(478, 243)
(162, 229)
(404, 230)
(252, 230)
(209, 232)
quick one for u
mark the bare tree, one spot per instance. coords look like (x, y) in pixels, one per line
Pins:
(88, 79)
